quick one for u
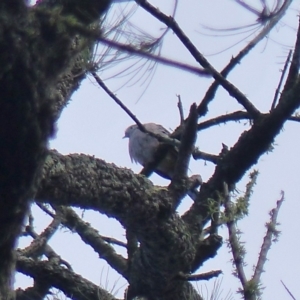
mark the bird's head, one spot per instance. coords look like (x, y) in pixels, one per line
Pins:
(129, 131)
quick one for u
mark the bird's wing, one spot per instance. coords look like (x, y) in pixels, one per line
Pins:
(157, 129)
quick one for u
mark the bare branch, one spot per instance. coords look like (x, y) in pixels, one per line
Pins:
(91, 237)
(160, 59)
(288, 290)
(294, 118)
(188, 139)
(293, 75)
(270, 236)
(281, 80)
(169, 141)
(117, 100)
(229, 87)
(240, 155)
(235, 116)
(197, 154)
(39, 244)
(180, 108)
(236, 247)
(197, 277)
(70, 283)
(248, 7)
(209, 96)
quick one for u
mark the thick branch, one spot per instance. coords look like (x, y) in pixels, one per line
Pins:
(245, 153)
(91, 237)
(90, 183)
(73, 285)
(147, 211)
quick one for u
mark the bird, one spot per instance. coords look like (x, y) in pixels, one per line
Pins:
(143, 149)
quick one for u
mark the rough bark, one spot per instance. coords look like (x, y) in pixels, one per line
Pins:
(36, 49)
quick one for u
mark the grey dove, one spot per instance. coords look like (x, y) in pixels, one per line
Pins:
(143, 147)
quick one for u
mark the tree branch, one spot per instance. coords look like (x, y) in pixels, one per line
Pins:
(235, 116)
(288, 290)
(179, 184)
(230, 88)
(245, 153)
(38, 246)
(197, 154)
(91, 237)
(94, 178)
(238, 251)
(281, 80)
(156, 58)
(270, 237)
(210, 94)
(90, 183)
(71, 284)
(293, 75)
(116, 99)
(29, 111)
(197, 277)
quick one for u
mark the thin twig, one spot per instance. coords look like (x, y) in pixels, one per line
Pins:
(248, 7)
(209, 96)
(166, 61)
(164, 139)
(180, 108)
(167, 140)
(44, 208)
(281, 80)
(287, 290)
(293, 75)
(116, 99)
(229, 87)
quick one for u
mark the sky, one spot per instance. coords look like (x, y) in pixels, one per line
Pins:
(93, 124)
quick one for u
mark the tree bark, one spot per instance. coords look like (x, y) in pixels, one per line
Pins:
(35, 53)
